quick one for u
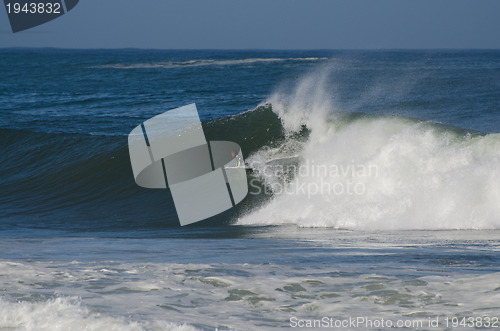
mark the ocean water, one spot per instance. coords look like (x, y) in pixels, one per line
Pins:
(374, 191)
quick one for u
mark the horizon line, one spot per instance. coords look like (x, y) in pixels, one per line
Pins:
(252, 49)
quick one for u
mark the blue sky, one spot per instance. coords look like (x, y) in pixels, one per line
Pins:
(269, 24)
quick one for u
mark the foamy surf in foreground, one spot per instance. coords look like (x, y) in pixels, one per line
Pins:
(375, 172)
(223, 284)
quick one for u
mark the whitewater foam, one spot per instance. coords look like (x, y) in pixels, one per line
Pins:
(427, 176)
(68, 313)
(205, 62)
(408, 280)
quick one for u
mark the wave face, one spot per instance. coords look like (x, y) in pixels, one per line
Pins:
(364, 172)
(74, 181)
(313, 166)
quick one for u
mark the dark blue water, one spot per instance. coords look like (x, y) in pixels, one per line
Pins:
(79, 236)
(65, 115)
